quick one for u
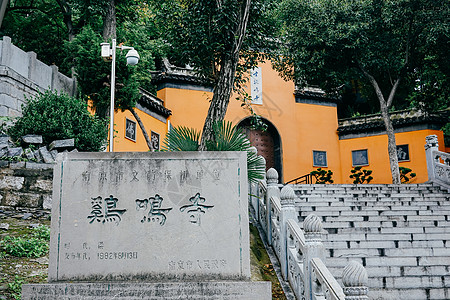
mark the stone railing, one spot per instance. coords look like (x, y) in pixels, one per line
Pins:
(301, 253)
(438, 163)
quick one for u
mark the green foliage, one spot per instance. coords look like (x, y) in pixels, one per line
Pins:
(226, 138)
(42, 232)
(329, 43)
(15, 287)
(322, 176)
(360, 176)
(406, 174)
(15, 158)
(37, 26)
(24, 246)
(58, 117)
(94, 74)
(181, 139)
(34, 245)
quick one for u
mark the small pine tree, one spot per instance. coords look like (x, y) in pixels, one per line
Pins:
(322, 176)
(360, 176)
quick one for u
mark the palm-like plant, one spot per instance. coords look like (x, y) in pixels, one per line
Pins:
(181, 139)
(226, 138)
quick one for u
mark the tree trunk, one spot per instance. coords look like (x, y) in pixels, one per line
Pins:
(67, 17)
(225, 81)
(141, 125)
(392, 145)
(384, 108)
(109, 21)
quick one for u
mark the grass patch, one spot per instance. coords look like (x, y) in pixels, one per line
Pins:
(262, 268)
(31, 245)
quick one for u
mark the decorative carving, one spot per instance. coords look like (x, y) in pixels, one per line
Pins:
(272, 176)
(312, 224)
(354, 278)
(431, 141)
(287, 196)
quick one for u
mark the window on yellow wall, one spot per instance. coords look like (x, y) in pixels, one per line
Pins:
(360, 158)
(403, 153)
(155, 141)
(130, 129)
(319, 158)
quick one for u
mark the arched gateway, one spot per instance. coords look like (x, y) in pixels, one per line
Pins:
(267, 142)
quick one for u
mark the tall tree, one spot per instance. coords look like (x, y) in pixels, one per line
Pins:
(381, 42)
(222, 40)
(135, 29)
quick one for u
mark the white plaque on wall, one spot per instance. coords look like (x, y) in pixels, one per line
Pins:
(256, 85)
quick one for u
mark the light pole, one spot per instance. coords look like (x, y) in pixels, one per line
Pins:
(132, 59)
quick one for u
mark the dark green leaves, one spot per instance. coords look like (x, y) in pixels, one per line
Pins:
(226, 138)
(61, 117)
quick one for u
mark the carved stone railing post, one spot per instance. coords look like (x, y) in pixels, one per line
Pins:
(272, 191)
(287, 212)
(253, 188)
(354, 278)
(312, 226)
(430, 146)
(259, 193)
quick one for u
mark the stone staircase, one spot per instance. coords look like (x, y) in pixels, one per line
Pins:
(400, 233)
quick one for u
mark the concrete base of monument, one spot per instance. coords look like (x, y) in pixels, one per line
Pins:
(207, 290)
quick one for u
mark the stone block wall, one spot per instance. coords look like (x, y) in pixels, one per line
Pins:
(22, 76)
(26, 184)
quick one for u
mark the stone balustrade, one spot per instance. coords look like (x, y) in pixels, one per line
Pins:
(301, 253)
(438, 163)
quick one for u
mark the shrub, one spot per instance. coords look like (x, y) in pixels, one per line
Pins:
(406, 174)
(322, 176)
(360, 176)
(58, 117)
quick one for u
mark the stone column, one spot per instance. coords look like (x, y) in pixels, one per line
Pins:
(272, 190)
(287, 200)
(430, 146)
(5, 53)
(55, 72)
(312, 226)
(32, 57)
(354, 278)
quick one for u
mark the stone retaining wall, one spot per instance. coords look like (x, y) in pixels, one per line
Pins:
(22, 76)
(26, 184)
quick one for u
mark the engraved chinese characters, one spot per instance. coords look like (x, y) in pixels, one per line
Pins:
(155, 212)
(105, 211)
(133, 215)
(196, 209)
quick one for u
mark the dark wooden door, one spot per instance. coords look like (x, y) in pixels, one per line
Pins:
(263, 142)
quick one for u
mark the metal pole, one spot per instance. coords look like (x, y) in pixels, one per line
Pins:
(113, 85)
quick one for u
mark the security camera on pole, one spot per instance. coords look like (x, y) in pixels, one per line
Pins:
(109, 53)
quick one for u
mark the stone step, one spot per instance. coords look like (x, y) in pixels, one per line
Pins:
(375, 236)
(401, 234)
(364, 252)
(330, 244)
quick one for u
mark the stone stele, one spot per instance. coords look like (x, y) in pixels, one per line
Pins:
(179, 216)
